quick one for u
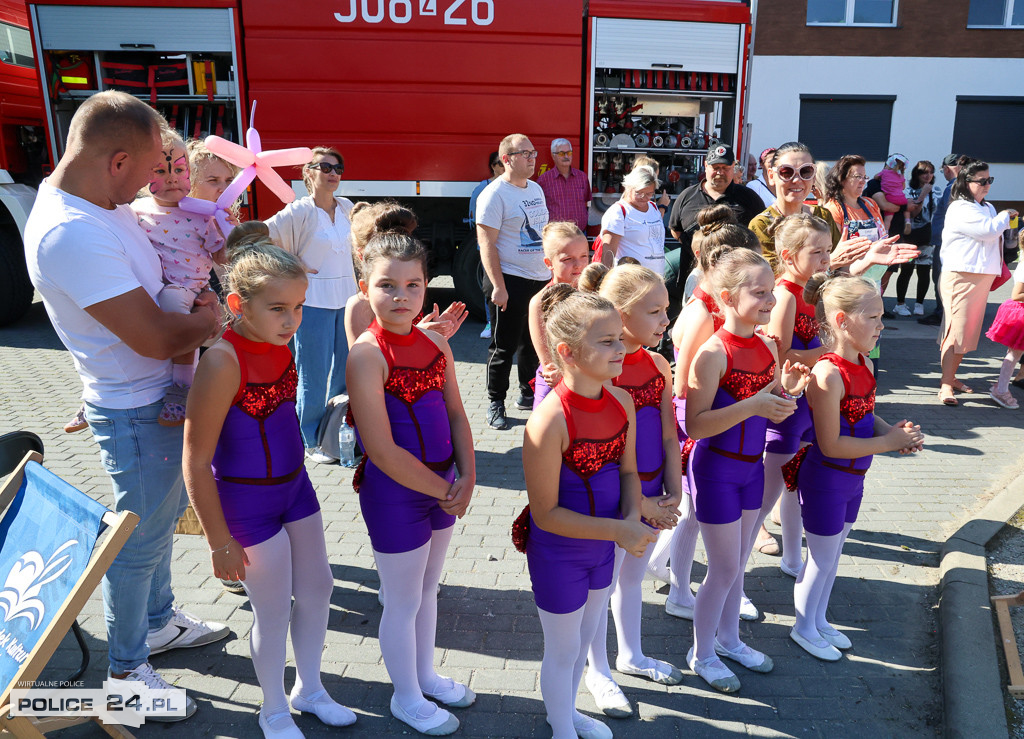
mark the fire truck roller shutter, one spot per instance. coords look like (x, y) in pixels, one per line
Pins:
(110, 28)
(626, 43)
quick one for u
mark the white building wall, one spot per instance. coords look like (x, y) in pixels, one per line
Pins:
(923, 112)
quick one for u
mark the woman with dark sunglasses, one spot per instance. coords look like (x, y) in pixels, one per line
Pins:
(972, 258)
(793, 173)
(317, 229)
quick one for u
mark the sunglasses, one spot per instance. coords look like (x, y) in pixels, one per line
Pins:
(563, 153)
(983, 181)
(789, 173)
(528, 153)
(327, 167)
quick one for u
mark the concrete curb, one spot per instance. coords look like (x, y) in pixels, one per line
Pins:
(972, 690)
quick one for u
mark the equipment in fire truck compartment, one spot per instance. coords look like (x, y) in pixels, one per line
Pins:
(672, 116)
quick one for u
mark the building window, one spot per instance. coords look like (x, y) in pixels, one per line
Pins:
(846, 124)
(989, 128)
(995, 13)
(853, 12)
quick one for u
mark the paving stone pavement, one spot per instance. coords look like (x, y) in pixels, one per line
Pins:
(489, 635)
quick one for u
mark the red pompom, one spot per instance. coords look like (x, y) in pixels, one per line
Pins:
(791, 470)
(521, 530)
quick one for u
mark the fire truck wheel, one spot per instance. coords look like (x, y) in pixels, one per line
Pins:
(468, 274)
(15, 288)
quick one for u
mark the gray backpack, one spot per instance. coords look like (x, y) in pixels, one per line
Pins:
(330, 425)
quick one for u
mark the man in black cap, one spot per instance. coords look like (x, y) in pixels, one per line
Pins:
(950, 168)
(718, 187)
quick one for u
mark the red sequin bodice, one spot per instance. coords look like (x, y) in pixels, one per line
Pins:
(642, 379)
(859, 385)
(717, 320)
(805, 326)
(259, 400)
(586, 456)
(404, 382)
(743, 382)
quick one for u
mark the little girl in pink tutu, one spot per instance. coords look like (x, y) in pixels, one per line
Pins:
(1008, 330)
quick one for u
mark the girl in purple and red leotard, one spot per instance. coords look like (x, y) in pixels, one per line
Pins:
(405, 403)
(829, 475)
(579, 457)
(641, 298)
(729, 402)
(243, 463)
(566, 253)
(802, 244)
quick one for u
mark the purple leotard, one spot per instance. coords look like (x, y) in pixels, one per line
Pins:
(831, 490)
(726, 473)
(258, 463)
(645, 384)
(562, 569)
(540, 388)
(788, 436)
(397, 518)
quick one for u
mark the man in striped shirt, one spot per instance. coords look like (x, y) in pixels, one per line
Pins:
(566, 189)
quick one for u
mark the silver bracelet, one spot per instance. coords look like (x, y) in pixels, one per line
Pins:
(223, 548)
(787, 396)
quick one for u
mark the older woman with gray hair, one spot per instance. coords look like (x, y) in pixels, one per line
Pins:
(633, 226)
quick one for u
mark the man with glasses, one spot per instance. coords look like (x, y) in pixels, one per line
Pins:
(511, 213)
(717, 188)
(566, 189)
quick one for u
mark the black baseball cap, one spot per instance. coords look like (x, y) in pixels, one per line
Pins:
(950, 160)
(720, 154)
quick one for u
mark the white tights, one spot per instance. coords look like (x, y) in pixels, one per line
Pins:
(1006, 371)
(684, 544)
(717, 611)
(789, 510)
(567, 637)
(290, 564)
(408, 626)
(814, 586)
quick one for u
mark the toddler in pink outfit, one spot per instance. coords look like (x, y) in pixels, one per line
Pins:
(186, 244)
(894, 183)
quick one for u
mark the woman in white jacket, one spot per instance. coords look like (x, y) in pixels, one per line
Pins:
(317, 229)
(972, 258)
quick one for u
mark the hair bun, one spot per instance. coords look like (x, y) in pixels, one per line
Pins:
(554, 294)
(592, 277)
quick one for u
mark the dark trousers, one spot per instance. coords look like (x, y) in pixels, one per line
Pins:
(936, 277)
(510, 337)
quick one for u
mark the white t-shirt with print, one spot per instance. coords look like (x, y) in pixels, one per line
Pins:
(519, 214)
(643, 234)
(78, 255)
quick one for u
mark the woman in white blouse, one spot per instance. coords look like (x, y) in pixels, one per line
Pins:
(972, 258)
(317, 229)
(633, 226)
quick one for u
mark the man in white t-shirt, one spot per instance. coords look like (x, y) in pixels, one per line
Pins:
(99, 276)
(510, 214)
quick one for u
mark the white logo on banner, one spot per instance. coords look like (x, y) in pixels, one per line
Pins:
(26, 579)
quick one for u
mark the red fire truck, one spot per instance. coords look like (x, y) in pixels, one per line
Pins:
(23, 154)
(417, 93)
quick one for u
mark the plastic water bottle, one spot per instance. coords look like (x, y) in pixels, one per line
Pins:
(347, 445)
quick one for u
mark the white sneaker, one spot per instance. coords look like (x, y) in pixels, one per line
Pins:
(901, 309)
(145, 675)
(918, 309)
(318, 455)
(486, 333)
(185, 630)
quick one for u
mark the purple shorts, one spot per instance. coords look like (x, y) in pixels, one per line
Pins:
(829, 498)
(787, 437)
(723, 487)
(564, 571)
(254, 513)
(399, 519)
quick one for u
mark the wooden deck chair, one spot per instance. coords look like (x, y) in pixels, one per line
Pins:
(55, 545)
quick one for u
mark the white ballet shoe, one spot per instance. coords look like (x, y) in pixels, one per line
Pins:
(453, 694)
(590, 728)
(749, 657)
(439, 723)
(748, 611)
(654, 572)
(834, 637)
(654, 670)
(608, 695)
(789, 570)
(714, 672)
(679, 611)
(323, 707)
(820, 649)
(280, 725)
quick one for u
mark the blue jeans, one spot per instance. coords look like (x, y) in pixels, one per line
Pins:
(143, 460)
(320, 353)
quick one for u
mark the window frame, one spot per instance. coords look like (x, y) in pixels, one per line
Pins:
(1007, 17)
(850, 7)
